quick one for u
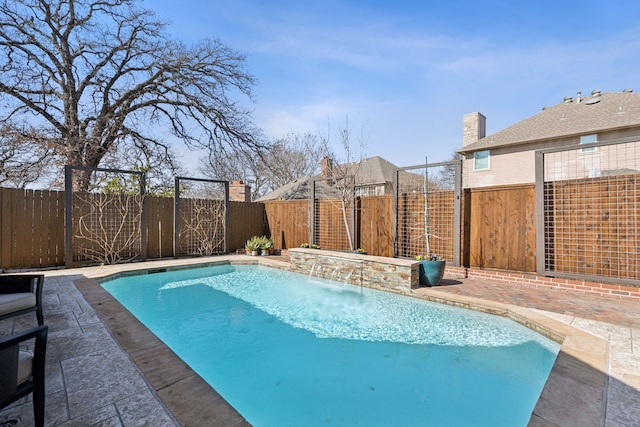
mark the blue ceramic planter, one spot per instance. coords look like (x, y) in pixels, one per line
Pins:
(431, 272)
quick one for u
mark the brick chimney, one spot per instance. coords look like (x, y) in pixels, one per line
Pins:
(326, 165)
(239, 192)
(475, 128)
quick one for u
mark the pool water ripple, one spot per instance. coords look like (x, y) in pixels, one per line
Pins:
(335, 310)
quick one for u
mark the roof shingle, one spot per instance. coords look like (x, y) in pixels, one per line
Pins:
(591, 114)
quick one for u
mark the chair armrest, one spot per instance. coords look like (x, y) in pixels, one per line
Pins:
(40, 334)
(18, 283)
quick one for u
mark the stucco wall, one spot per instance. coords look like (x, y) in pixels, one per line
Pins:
(516, 164)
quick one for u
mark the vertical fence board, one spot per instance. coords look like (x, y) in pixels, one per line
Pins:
(21, 232)
(34, 213)
(5, 228)
(56, 228)
(529, 223)
(159, 226)
(502, 228)
(165, 226)
(375, 225)
(153, 227)
(595, 223)
(288, 222)
(246, 220)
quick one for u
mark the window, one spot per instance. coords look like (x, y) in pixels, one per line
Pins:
(586, 139)
(481, 160)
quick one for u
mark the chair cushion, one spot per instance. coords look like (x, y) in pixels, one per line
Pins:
(25, 366)
(15, 302)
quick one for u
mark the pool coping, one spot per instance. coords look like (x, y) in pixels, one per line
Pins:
(574, 394)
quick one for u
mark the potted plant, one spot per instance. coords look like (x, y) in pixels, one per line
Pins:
(266, 245)
(253, 245)
(312, 246)
(432, 269)
(432, 266)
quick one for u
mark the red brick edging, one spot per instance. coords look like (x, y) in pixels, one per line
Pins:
(607, 289)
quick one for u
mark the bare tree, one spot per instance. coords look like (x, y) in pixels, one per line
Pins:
(24, 158)
(291, 157)
(235, 165)
(343, 175)
(101, 73)
(160, 167)
(284, 160)
(447, 175)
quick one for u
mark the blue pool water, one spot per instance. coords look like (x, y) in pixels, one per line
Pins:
(287, 350)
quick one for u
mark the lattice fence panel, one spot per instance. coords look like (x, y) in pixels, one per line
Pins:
(331, 223)
(592, 211)
(421, 214)
(107, 217)
(202, 217)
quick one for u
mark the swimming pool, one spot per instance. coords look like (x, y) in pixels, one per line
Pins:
(286, 350)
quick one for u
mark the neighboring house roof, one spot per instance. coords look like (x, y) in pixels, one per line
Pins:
(299, 189)
(374, 170)
(371, 171)
(580, 116)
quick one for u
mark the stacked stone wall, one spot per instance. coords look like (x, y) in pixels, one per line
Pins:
(362, 270)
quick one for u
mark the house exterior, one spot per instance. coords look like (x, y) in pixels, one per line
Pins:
(507, 157)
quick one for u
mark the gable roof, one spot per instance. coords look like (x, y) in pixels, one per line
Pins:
(374, 170)
(299, 189)
(580, 116)
(371, 171)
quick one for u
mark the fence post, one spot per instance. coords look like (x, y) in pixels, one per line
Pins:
(176, 215)
(457, 212)
(540, 226)
(312, 212)
(68, 218)
(144, 241)
(226, 217)
(394, 213)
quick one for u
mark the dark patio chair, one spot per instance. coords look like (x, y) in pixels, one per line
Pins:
(21, 293)
(22, 371)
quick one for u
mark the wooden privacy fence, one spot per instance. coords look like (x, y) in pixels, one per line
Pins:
(500, 228)
(592, 226)
(246, 220)
(594, 236)
(289, 224)
(375, 224)
(33, 222)
(31, 228)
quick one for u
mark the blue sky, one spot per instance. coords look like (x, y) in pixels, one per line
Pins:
(405, 72)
